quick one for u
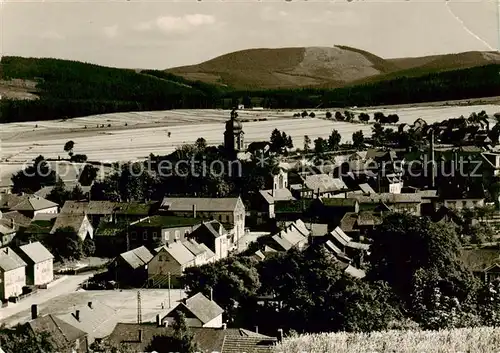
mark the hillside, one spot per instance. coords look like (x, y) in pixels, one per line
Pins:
(287, 68)
(45, 89)
(322, 67)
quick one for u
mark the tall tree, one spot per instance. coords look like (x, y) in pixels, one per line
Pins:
(358, 139)
(320, 145)
(183, 335)
(307, 143)
(68, 147)
(334, 140)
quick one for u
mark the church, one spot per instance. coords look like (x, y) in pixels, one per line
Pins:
(234, 136)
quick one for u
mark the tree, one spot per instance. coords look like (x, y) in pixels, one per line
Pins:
(339, 116)
(77, 193)
(304, 114)
(379, 117)
(246, 101)
(278, 141)
(358, 139)
(312, 115)
(320, 145)
(105, 346)
(307, 143)
(88, 247)
(34, 177)
(182, 334)
(289, 142)
(79, 158)
(66, 244)
(59, 194)
(201, 144)
(334, 140)
(88, 175)
(68, 147)
(349, 116)
(22, 340)
(364, 117)
(328, 115)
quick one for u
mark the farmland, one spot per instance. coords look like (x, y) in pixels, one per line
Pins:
(134, 135)
(474, 340)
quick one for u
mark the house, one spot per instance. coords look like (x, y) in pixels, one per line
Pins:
(295, 235)
(140, 337)
(97, 210)
(64, 338)
(410, 202)
(12, 274)
(95, 318)
(293, 210)
(79, 222)
(39, 263)
(197, 250)
(230, 211)
(270, 197)
(199, 311)
(323, 185)
(28, 205)
(359, 224)
(7, 230)
(159, 230)
(214, 236)
(354, 250)
(459, 204)
(68, 186)
(131, 267)
(484, 263)
(333, 209)
(169, 262)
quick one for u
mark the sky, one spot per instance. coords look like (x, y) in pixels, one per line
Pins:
(162, 34)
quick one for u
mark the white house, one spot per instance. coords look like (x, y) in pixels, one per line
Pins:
(39, 262)
(12, 274)
(199, 311)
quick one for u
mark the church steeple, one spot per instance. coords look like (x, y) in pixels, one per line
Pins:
(233, 136)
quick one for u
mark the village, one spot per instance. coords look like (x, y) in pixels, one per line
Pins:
(94, 270)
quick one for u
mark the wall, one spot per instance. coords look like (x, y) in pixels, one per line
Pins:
(459, 204)
(52, 210)
(44, 272)
(216, 322)
(190, 322)
(221, 247)
(14, 281)
(86, 228)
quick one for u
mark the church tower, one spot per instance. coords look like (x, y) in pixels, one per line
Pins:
(233, 136)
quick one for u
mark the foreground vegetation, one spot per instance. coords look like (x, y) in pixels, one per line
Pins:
(474, 340)
(70, 89)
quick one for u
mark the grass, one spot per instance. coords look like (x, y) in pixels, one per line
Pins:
(472, 340)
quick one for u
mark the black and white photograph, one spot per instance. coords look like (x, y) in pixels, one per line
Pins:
(249, 176)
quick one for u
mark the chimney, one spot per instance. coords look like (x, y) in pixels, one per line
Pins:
(273, 191)
(34, 312)
(77, 315)
(256, 329)
(280, 334)
(140, 335)
(224, 326)
(12, 222)
(194, 210)
(90, 305)
(158, 321)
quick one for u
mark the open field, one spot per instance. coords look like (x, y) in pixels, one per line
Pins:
(147, 132)
(123, 301)
(473, 340)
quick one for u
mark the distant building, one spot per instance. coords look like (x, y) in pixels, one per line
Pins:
(324, 186)
(294, 235)
(39, 260)
(28, 205)
(199, 311)
(214, 236)
(131, 267)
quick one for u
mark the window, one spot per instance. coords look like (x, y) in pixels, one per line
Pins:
(186, 232)
(145, 235)
(167, 235)
(177, 235)
(133, 235)
(155, 235)
(160, 258)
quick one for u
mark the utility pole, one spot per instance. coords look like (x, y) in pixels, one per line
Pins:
(139, 308)
(169, 295)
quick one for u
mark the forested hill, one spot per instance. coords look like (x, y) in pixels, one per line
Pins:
(71, 88)
(67, 89)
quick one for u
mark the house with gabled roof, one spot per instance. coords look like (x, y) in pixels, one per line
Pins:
(483, 263)
(79, 222)
(199, 311)
(12, 274)
(214, 236)
(131, 267)
(324, 186)
(140, 337)
(63, 337)
(230, 211)
(95, 318)
(39, 260)
(27, 204)
(295, 234)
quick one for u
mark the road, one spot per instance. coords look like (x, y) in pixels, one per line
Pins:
(68, 285)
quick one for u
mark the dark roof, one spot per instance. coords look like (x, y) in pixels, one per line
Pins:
(61, 334)
(24, 202)
(65, 220)
(137, 257)
(201, 307)
(478, 260)
(208, 339)
(210, 204)
(368, 218)
(167, 222)
(19, 219)
(339, 202)
(107, 208)
(107, 228)
(9, 260)
(295, 206)
(39, 227)
(36, 252)
(348, 221)
(317, 229)
(389, 198)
